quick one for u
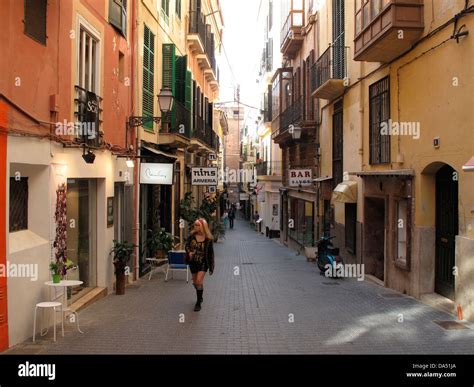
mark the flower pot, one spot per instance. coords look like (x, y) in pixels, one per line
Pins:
(120, 279)
(56, 278)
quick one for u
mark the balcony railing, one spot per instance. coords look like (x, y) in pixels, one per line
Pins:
(268, 168)
(204, 133)
(291, 33)
(197, 25)
(178, 121)
(329, 73)
(88, 115)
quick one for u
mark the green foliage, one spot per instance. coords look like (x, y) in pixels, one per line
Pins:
(159, 241)
(122, 252)
(190, 213)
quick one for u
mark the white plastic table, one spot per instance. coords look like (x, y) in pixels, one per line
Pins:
(155, 264)
(67, 284)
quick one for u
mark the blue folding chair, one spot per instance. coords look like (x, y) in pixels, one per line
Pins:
(176, 262)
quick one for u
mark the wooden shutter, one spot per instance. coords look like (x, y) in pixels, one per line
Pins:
(169, 77)
(118, 15)
(188, 104)
(148, 76)
(35, 19)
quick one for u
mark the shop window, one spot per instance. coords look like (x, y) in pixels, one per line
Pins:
(18, 204)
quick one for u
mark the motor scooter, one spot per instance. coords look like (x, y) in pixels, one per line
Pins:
(328, 255)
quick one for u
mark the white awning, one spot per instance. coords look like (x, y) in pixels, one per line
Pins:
(346, 192)
(158, 152)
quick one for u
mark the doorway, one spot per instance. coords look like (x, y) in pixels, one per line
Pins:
(447, 227)
(375, 235)
(82, 232)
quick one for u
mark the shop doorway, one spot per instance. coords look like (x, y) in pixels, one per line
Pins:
(375, 235)
(82, 233)
(447, 227)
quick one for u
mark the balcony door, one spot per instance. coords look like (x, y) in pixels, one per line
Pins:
(338, 33)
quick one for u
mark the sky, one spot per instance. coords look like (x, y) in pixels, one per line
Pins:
(243, 44)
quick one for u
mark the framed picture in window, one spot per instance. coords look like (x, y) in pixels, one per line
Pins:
(110, 212)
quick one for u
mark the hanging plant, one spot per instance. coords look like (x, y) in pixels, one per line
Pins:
(60, 217)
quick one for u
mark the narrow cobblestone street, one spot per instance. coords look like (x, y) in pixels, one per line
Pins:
(249, 313)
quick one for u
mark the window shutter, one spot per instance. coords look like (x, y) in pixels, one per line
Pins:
(169, 77)
(148, 76)
(189, 96)
(118, 15)
(35, 19)
(181, 69)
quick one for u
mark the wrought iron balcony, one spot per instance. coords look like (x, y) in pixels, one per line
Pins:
(329, 73)
(88, 115)
(268, 168)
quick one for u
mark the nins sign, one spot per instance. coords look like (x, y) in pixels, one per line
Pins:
(204, 176)
(301, 177)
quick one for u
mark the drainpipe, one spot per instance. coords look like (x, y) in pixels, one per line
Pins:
(361, 143)
(136, 199)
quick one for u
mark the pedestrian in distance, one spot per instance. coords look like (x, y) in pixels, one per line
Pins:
(231, 217)
(225, 218)
(200, 257)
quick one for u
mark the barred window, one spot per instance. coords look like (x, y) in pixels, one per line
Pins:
(18, 204)
(379, 94)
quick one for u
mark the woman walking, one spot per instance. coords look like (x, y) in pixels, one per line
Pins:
(200, 257)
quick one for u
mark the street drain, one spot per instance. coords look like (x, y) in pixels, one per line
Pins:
(450, 325)
(247, 263)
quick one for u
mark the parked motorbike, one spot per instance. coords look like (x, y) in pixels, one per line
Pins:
(328, 255)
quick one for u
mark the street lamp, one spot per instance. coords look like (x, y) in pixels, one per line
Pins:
(295, 132)
(165, 100)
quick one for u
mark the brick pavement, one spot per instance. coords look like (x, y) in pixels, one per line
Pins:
(250, 313)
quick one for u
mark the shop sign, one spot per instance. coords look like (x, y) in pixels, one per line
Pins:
(301, 177)
(156, 174)
(204, 176)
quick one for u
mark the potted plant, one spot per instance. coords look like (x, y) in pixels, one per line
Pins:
(55, 269)
(122, 252)
(159, 243)
(59, 269)
(218, 230)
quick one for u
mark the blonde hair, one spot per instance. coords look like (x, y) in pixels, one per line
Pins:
(205, 228)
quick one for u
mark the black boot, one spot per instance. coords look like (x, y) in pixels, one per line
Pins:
(199, 292)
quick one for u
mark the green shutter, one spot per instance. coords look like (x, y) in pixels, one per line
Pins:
(188, 104)
(169, 78)
(181, 68)
(148, 76)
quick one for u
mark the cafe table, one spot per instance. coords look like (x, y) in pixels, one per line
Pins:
(65, 284)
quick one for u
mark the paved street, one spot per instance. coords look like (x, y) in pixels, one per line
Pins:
(250, 313)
